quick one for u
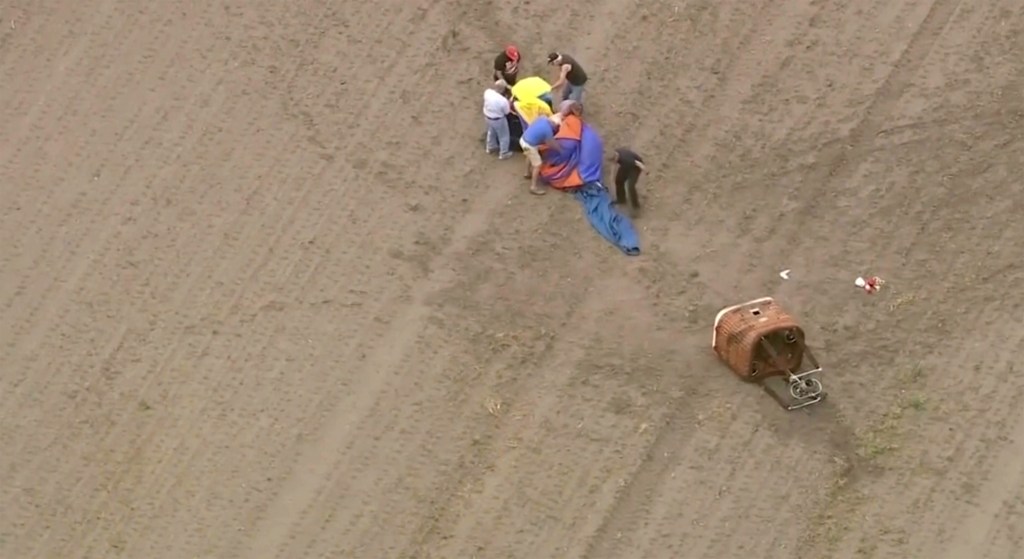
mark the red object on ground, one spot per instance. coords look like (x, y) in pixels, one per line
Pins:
(870, 285)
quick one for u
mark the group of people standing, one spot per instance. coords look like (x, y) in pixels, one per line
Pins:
(520, 113)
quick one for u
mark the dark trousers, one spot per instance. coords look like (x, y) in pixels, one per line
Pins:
(515, 131)
(625, 183)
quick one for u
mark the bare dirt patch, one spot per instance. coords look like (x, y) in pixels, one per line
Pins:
(263, 294)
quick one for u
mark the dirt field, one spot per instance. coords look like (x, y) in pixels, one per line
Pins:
(264, 295)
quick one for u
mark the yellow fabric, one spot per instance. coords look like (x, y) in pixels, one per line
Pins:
(530, 109)
(530, 88)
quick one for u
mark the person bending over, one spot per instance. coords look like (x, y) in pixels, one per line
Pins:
(630, 166)
(540, 133)
(571, 76)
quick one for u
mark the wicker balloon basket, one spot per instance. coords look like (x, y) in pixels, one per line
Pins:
(760, 342)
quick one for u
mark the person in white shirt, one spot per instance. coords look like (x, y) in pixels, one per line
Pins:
(496, 110)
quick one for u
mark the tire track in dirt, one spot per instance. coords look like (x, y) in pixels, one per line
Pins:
(994, 502)
(184, 286)
(792, 455)
(198, 351)
(191, 348)
(953, 485)
(325, 506)
(588, 49)
(416, 315)
(33, 414)
(558, 450)
(619, 531)
(68, 58)
(166, 482)
(633, 500)
(700, 491)
(286, 226)
(83, 247)
(924, 476)
(733, 61)
(236, 315)
(315, 466)
(126, 132)
(683, 195)
(103, 363)
(321, 500)
(717, 150)
(1006, 539)
(423, 545)
(967, 475)
(316, 462)
(681, 504)
(427, 530)
(840, 162)
(481, 462)
(789, 534)
(928, 480)
(681, 29)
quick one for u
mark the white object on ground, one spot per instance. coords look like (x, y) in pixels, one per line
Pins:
(869, 285)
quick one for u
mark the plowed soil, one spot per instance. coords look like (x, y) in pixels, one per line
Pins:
(263, 294)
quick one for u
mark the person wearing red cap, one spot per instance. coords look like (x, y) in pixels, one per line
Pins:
(506, 65)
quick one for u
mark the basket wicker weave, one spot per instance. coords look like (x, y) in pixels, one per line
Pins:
(743, 331)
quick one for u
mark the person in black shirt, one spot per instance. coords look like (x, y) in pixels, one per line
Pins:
(571, 77)
(506, 65)
(626, 176)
